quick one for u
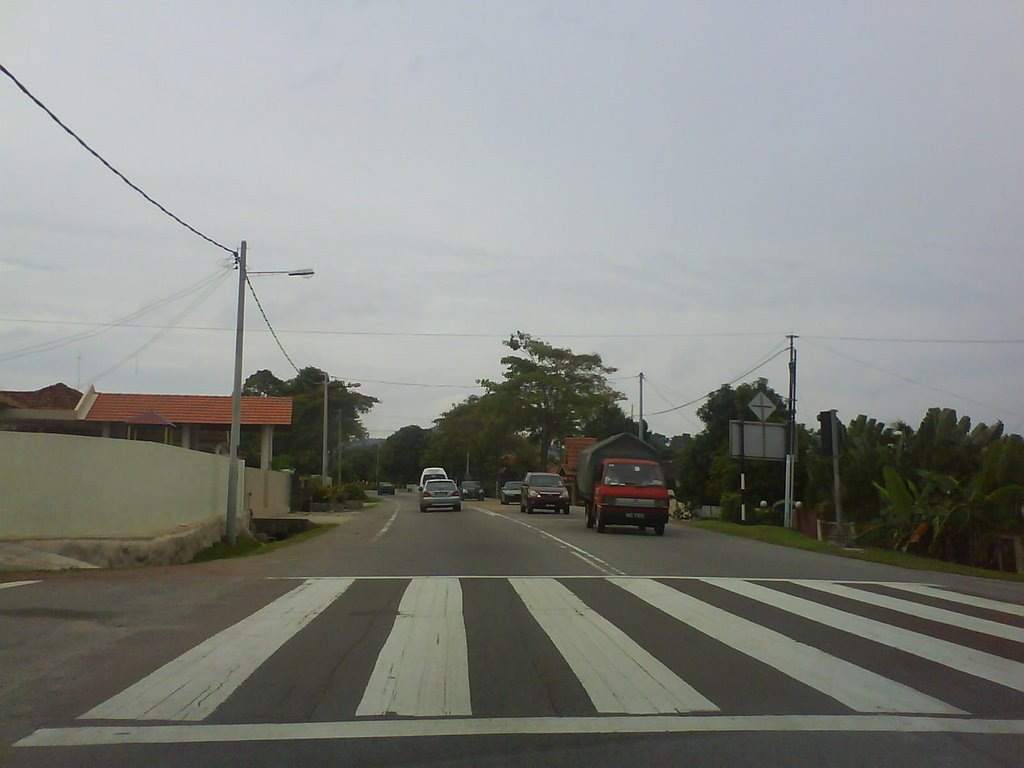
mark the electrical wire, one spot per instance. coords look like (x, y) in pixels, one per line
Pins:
(270, 327)
(648, 382)
(122, 322)
(884, 340)
(785, 348)
(114, 170)
(164, 331)
(914, 381)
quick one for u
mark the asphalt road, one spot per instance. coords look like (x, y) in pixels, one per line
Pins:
(489, 637)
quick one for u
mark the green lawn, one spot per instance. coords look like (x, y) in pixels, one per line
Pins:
(246, 546)
(773, 534)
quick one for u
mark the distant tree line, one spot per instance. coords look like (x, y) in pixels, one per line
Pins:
(945, 489)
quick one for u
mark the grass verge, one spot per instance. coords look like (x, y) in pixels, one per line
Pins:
(773, 534)
(245, 547)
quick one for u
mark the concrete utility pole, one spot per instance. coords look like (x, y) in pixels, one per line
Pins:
(790, 436)
(323, 449)
(236, 404)
(640, 426)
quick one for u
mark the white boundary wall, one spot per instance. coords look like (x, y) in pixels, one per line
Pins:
(120, 502)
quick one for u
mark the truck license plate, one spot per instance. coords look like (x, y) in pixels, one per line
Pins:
(634, 515)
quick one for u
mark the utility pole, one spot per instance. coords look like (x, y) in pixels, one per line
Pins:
(323, 454)
(640, 426)
(230, 531)
(790, 435)
(339, 449)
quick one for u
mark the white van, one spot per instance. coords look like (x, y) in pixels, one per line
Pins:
(432, 473)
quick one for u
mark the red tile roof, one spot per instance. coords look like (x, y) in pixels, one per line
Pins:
(56, 397)
(191, 409)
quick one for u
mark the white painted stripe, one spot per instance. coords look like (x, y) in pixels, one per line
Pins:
(859, 689)
(958, 657)
(617, 674)
(388, 729)
(593, 560)
(193, 685)
(957, 597)
(930, 612)
(10, 584)
(423, 669)
(387, 526)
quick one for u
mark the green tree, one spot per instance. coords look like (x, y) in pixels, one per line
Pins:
(300, 447)
(402, 457)
(551, 392)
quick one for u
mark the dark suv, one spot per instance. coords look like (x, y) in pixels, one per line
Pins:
(471, 489)
(544, 490)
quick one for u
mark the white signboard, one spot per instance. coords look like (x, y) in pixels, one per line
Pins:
(760, 440)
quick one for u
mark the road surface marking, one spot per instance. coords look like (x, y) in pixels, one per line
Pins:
(955, 597)
(968, 660)
(423, 669)
(384, 729)
(617, 674)
(9, 584)
(593, 560)
(940, 615)
(859, 689)
(386, 527)
(193, 685)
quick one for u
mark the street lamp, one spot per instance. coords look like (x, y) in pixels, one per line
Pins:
(236, 393)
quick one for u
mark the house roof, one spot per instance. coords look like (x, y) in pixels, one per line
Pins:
(55, 397)
(191, 409)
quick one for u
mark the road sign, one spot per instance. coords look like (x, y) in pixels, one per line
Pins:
(759, 440)
(762, 406)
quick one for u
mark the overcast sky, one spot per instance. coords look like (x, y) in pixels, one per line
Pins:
(673, 185)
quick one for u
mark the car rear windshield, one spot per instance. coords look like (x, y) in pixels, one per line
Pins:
(513, 485)
(546, 481)
(470, 484)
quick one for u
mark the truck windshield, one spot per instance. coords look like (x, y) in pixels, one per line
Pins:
(619, 473)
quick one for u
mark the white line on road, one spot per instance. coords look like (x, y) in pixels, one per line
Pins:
(859, 689)
(927, 590)
(386, 527)
(940, 615)
(618, 675)
(968, 660)
(423, 668)
(9, 584)
(193, 685)
(385, 729)
(593, 560)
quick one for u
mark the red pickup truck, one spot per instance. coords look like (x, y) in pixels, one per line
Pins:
(621, 482)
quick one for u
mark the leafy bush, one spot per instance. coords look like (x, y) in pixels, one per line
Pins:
(730, 505)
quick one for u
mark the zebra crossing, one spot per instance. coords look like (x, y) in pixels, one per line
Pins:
(844, 651)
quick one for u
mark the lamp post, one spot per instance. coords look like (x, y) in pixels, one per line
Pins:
(323, 448)
(230, 528)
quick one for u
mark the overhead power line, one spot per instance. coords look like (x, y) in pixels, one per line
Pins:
(97, 328)
(269, 326)
(915, 381)
(728, 383)
(114, 170)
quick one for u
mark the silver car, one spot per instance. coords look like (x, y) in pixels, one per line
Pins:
(510, 492)
(440, 493)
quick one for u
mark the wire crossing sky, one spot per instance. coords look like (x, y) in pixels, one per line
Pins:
(673, 186)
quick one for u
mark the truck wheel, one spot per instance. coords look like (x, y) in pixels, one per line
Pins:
(660, 529)
(600, 522)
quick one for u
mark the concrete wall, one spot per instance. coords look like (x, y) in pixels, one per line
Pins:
(267, 493)
(136, 502)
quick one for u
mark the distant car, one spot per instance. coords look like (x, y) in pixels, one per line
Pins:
(471, 489)
(385, 489)
(543, 490)
(510, 492)
(440, 493)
